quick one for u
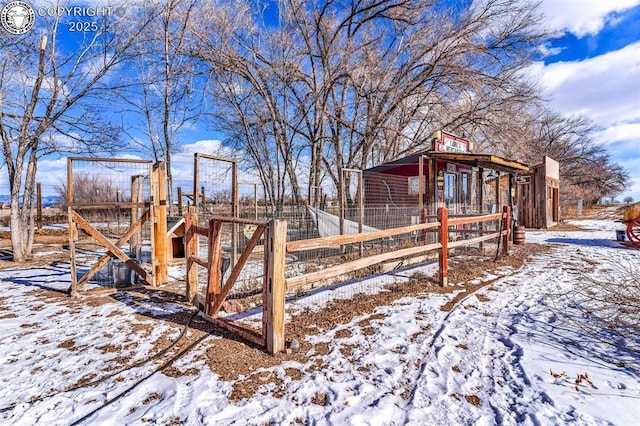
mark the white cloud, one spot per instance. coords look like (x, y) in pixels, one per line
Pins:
(606, 88)
(621, 132)
(546, 50)
(583, 17)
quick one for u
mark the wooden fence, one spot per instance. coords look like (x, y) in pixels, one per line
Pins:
(273, 291)
(151, 213)
(276, 248)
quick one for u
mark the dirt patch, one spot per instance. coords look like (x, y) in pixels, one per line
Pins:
(247, 388)
(563, 227)
(174, 372)
(347, 350)
(368, 330)
(293, 373)
(343, 334)
(473, 400)
(68, 344)
(482, 298)
(153, 396)
(319, 399)
(85, 380)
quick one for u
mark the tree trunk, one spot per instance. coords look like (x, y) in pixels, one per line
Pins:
(22, 230)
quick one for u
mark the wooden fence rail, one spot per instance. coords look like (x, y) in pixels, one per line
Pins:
(274, 234)
(276, 248)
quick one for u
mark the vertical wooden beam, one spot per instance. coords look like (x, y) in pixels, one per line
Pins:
(506, 217)
(511, 179)
(361, 210)
(498, 198)
(39, 205)
(255, 201)
(180, 212)
(425, 219)
(341, 201)
(420, 182)
(136, 240)
(72, 234)
(214, 273)
(443, 237)
(160, 257)
(434, 174)
(235, 212)
(275, 286)
(191, 251)
(196, 178)
(481, 204)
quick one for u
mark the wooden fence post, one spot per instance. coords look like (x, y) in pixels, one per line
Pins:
(160, 255)
(73, 235)
(425, 218)
(274, 283)
(443, 237)
(179, 201)
(506, 217)
(136, 198)
(39, 205)
(191, 251)
(214, 273)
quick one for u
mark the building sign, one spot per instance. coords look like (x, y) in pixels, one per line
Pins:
(447, 142)
(451, 168)
(414, 185)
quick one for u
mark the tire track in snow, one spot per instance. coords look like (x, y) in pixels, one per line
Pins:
(487, 363)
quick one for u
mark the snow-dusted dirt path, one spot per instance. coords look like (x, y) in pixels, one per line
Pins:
(511, 350)
(514, 352)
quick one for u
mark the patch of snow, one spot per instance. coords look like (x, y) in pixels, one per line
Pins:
(509, 356)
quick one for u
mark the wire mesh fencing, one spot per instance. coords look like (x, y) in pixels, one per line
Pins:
(107, 200)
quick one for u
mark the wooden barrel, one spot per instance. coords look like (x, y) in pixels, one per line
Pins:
(518, 235)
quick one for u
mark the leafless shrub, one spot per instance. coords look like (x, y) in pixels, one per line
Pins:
(604, 310)
(90, 189)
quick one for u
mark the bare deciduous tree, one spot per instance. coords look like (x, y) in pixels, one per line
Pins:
(586, 167)
(51, 100)
(337, 84)
(165, 89)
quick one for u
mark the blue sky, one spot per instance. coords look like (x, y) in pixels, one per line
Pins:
(591, 67)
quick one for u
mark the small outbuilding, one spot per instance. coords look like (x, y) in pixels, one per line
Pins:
(448, 175)
(538, 194)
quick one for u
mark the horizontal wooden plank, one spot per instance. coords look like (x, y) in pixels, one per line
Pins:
(344, 268)
(112, 205)
(200, 230)
(241, 221)
(470, 241)
(215, 157)
(474, 219)
(338, 240)
(245, 333)
(199, 261)
(110, 160)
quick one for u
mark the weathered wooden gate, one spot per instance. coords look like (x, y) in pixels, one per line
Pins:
(210, 301)
(117, 202)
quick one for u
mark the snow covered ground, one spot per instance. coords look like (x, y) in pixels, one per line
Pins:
(512, 353)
